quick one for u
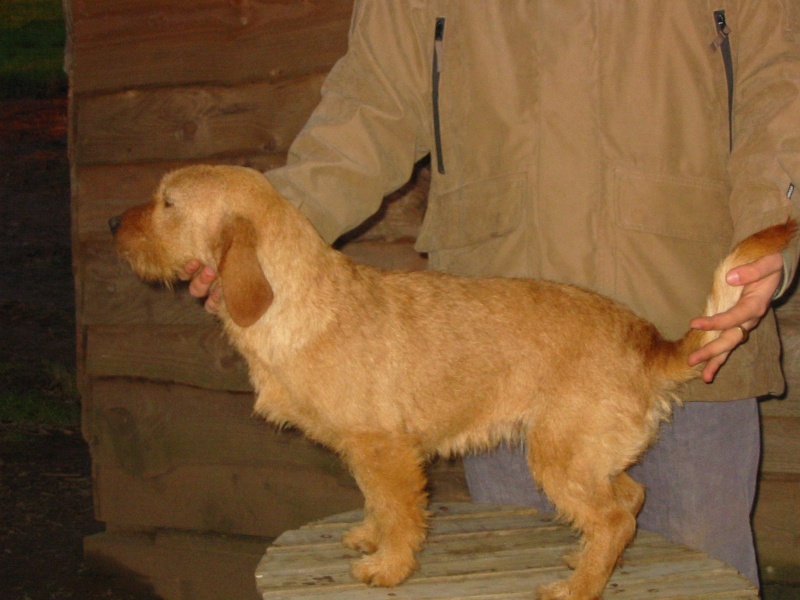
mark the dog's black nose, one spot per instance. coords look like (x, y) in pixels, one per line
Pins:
(113, 223)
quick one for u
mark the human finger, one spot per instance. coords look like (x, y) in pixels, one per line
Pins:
(200, 284)
(764, 267)
(715, 353)
(189, 270)
(214, 301)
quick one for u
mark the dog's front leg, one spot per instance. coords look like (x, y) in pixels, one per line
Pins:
(388, 469)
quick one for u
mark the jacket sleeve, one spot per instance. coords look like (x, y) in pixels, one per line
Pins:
(371, 125)
(764, 166)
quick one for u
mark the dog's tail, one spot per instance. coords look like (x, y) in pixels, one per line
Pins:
(670, 359)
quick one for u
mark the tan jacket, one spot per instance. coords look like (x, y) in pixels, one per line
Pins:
(584, 141)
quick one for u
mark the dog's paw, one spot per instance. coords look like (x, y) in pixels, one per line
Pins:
(383, 570)
(562, 590)
(558, 590)
(363, 538)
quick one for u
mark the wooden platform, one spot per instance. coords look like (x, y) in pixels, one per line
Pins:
(476, 551)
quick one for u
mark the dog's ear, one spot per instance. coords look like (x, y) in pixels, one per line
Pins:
(246, 291)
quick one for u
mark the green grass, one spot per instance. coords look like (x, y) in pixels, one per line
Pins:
(38, 395)
(32, 38)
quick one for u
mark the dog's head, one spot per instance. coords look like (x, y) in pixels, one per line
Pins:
(200, 213)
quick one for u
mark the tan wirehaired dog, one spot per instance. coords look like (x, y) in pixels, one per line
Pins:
(391, 368)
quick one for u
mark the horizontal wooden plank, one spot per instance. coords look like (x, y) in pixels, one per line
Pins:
(238, 499)
(454, 525)
(777, 527)
(110, 294)
(788, 316)
(191, 123)
(442, 511)
(98, 8)
(258, 500)
(178, 565)
(194, 355)
(782, 407)
(781, 452)
(123, 45)
(199, 449)
(150, 429)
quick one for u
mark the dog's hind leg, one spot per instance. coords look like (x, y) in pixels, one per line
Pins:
(602, 506)
(631, 495)
(388, 470)
(629, 492)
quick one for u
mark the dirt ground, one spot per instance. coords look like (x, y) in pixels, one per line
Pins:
(45, 478)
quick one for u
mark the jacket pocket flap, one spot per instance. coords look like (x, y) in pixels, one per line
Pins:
(472, 214)
(690, 208)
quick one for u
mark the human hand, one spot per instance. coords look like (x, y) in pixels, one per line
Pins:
(760, 280)
(204, 284)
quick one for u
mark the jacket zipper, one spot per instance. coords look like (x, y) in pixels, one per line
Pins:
(438, 46)
(723, 44)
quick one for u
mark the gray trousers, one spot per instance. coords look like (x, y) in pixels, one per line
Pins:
(700, 479)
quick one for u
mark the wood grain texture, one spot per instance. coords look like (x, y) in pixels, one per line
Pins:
(175, 456)
(194, 355)
(180, 565)
(788, 316)
(259, 500)
(476, 551)
(130, 44)
(781, 438)
(777, 527)
(192, 123)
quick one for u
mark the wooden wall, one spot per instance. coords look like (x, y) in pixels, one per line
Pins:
(777, 524)
(184, 476)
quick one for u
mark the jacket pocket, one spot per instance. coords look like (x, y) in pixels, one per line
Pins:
(478, 229)
(670, 234)
(472, 214)
(692, 208)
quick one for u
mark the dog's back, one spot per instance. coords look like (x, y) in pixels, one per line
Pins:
(464, 363)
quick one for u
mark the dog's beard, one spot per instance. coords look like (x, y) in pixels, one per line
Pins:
(147, 266)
